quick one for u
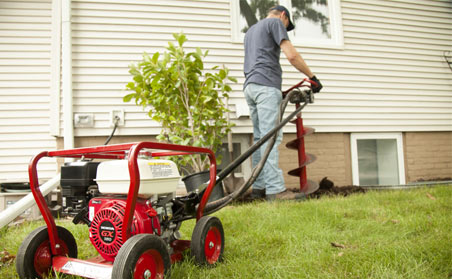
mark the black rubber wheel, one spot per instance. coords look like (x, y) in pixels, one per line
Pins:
(34, 258)
(207, 241)
(142, 256)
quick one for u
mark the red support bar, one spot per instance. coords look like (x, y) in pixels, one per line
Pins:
(179, 246)
(213, 180)
(163, 154)
(300, 84)
(118, 151)
(42, 205)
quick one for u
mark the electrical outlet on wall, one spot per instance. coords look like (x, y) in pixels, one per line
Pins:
(83, 120)
(114, 114)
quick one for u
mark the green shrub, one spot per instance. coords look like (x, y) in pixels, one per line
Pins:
(187, 100)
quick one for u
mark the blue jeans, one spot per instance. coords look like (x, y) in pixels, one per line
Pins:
(264, 102)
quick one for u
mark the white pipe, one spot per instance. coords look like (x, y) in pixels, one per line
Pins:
(11, 213)
(66, 55)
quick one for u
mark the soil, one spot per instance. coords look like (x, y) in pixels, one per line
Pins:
(326, 188)
(337, 191)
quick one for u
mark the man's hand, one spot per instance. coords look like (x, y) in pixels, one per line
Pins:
(317, 86)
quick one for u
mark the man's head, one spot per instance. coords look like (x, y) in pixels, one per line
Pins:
(283, 14)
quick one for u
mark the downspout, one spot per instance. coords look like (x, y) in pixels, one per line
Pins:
(66, 56)
(9, 214)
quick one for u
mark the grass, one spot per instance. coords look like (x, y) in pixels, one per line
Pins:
(384, 234)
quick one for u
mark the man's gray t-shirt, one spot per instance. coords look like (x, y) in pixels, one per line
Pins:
(262, 51)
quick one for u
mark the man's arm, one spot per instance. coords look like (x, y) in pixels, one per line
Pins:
(295, 58)
(298, 62)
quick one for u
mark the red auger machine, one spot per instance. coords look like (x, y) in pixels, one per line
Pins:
(127, 199)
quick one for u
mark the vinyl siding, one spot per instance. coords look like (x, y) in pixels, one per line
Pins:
(389, 76)
(25, 85)
(109, 35)
(395, 76)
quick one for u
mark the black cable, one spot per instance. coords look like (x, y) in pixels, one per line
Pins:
(446, 55)
(116, 119)
(214, 206)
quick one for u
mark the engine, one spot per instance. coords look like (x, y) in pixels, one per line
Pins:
(96, 195)
(78, 186)
(107, 219)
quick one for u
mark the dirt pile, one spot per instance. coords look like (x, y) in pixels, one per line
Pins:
(327, 188)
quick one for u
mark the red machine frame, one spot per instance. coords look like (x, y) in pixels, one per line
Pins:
(131, 151)
(119, 151)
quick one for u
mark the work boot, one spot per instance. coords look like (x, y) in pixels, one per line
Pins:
(257, 194)
(286, 195)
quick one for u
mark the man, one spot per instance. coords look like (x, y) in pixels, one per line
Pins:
(263, 43)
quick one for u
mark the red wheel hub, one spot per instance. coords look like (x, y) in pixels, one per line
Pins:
(43, 258)
(149, 265)
(212, 246)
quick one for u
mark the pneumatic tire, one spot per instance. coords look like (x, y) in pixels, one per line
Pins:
(142, 256)
(34, 258)
(207, 241)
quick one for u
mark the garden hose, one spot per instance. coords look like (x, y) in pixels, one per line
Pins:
(214, 206)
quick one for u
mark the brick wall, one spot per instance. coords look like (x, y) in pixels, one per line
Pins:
(333, 158)
(428, 155)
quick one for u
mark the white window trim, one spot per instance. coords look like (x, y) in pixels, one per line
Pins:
(337, 37)
(354, 152)
(236, 35)
(244, 141)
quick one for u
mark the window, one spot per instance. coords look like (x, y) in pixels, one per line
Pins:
(317, 23)
(377, 159)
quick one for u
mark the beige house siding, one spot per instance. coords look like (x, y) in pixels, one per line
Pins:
(25, 86)
(109, 35)
(389, 76)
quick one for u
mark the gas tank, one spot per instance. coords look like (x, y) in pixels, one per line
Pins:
(156, 177)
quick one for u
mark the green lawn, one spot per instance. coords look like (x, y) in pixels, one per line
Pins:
(384, 234)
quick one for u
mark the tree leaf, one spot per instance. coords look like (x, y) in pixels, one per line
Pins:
(222, 73)
(155, 57)
(128, 98)
(134, 71)
(233, 79)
